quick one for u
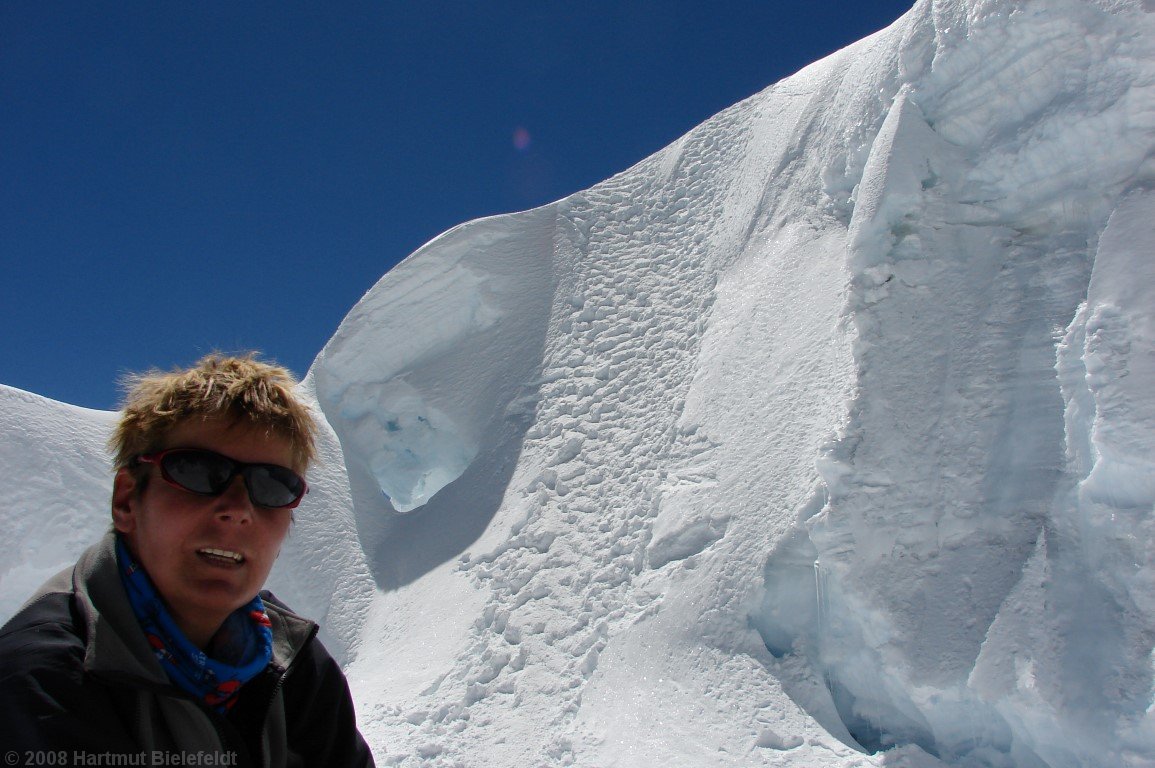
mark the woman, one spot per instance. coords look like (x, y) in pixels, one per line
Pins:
(159, 645)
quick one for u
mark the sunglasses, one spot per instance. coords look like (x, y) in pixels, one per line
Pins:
(208, 473)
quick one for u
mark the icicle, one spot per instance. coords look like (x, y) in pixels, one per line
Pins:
(820, 586)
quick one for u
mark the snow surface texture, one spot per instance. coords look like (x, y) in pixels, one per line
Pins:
(823, 437)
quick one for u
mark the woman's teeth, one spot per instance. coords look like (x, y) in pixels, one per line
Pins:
(222, 553)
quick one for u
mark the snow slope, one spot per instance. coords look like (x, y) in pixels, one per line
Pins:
(823, 437)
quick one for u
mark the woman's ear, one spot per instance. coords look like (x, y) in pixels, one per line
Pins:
(124, 501)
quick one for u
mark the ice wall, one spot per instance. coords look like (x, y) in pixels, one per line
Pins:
(978, 222)
(454, 329)
(973, 230)
(822, 432)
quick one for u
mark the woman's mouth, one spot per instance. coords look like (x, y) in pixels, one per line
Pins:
(220, 556)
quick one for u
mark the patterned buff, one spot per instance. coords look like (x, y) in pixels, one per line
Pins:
(243, 646)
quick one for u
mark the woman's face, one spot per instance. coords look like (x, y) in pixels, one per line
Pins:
(206, 555)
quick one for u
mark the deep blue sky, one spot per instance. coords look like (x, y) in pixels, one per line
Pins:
(180, 177)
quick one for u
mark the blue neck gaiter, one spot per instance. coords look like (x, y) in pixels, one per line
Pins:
(242, 647)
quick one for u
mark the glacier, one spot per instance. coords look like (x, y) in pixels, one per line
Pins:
(824, 436)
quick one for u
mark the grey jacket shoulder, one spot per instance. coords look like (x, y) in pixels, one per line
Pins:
(77, 673)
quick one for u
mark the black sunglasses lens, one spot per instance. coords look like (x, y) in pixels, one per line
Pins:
(209, 474)
(273, 486)
(198, 471)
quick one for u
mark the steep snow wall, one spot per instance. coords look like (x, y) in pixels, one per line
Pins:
(823, 430)
(1004, 178)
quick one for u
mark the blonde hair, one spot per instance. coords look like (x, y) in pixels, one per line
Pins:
(243, 389)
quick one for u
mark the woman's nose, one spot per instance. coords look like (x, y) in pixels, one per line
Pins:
(234, 503)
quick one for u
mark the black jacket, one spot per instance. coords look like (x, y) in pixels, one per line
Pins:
(77, 676)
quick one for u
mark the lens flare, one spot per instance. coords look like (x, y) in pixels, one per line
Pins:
(521, 138)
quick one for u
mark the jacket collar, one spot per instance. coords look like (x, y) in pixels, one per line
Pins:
(115, 644)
